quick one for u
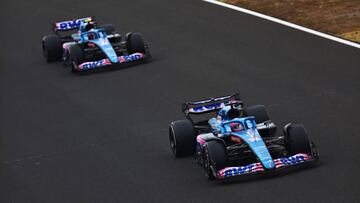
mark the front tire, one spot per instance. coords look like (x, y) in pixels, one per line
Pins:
(135, 43)
(182, 138)
(76, 57)
(215, 158)
(297, 139)
(259, 112)
(52, 48)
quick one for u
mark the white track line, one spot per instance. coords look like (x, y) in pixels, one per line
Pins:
(337, 39)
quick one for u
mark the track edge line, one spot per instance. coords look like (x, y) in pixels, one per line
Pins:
(282, 22)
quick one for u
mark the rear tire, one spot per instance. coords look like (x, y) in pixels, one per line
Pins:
(52, 48)
(109, 28)
(76, 57)
(215, 158)
(261, 116)
(182, 138)
(135, 43)
(297, 139)
(259, 112)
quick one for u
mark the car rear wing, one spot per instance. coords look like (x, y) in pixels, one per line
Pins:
(71, 24)
(212, 104)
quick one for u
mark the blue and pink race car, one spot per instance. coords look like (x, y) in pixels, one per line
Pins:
(91, 47)
(237, 140)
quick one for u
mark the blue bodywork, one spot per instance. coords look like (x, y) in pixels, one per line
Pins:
(248, 133)
(98, 48)
(100, 39)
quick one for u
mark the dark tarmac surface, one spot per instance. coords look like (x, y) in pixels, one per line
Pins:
(102, 137)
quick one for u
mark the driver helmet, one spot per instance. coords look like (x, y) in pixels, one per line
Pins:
(91, 36)
(236, 127)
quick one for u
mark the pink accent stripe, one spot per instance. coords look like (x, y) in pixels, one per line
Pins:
(200, 140)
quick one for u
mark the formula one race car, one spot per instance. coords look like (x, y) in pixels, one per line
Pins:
(239, 140)
(91, 46)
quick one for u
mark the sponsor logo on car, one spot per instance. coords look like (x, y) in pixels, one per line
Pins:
(93, 64)
(252, 137)
(255, 167)
(72, 24)
(294, 159)
(233, 171)
(104, 62)
(132, 57)
(208, 107)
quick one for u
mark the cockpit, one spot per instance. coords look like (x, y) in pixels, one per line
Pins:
(92, 35)
(238, 125)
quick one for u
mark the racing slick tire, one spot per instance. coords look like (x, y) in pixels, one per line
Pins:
(297, 139)
(52, 48)
(215, 158)
(135, 43)
(261, 115)
(182, 138)
(258, 111)
(76, 57)
(109, 28)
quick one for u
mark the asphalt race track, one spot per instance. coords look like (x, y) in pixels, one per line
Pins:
(102, 137)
